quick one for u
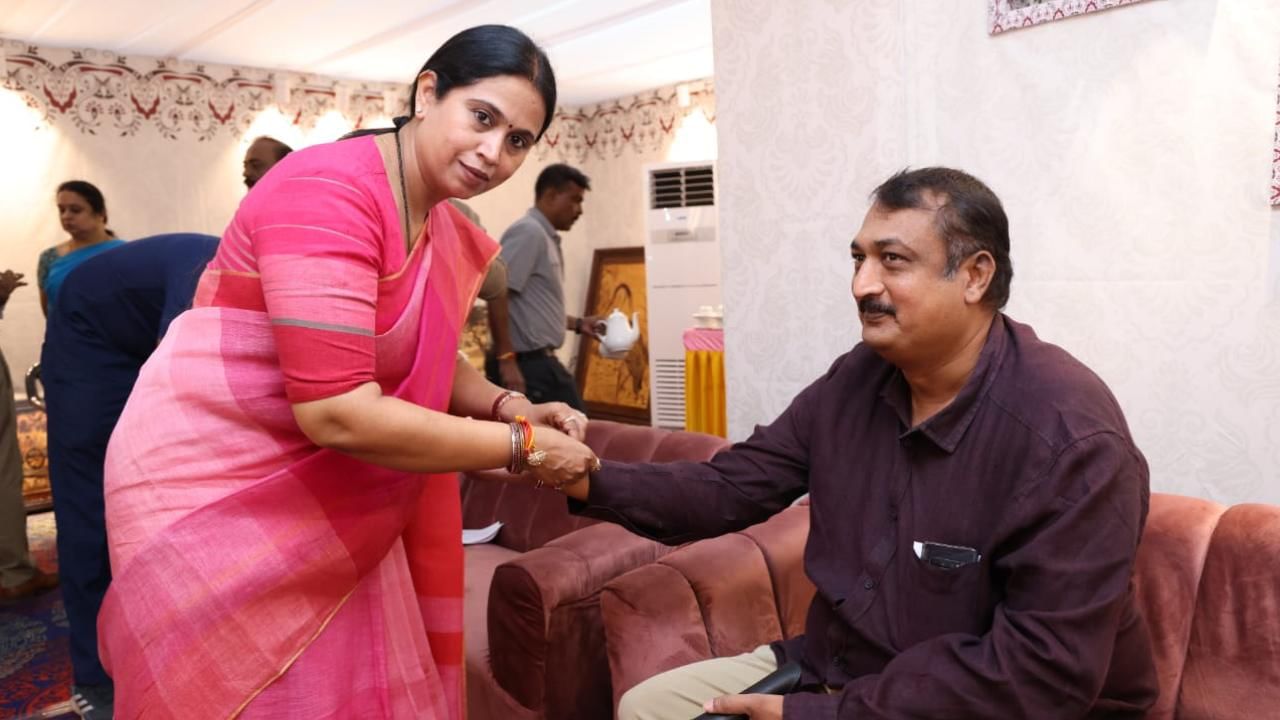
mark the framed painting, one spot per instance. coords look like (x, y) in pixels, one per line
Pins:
(616, 389)
(33, 444)
(1005, 15)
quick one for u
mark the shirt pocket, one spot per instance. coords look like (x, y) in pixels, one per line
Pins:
(937, 601)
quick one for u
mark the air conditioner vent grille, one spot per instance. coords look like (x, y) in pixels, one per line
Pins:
(668, 381)
(682, 187)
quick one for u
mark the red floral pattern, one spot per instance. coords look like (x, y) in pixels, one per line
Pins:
(1275, 158)
(101, 91)
(1003, 15)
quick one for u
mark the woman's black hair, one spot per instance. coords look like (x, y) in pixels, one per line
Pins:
(480, 53)
(91, 195)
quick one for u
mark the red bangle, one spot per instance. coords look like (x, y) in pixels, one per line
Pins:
(508, 355)
(499, 401)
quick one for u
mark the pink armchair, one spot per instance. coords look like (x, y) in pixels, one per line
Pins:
(534, 636)
(1207, 579)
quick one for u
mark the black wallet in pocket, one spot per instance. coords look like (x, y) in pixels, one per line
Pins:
(779, 682)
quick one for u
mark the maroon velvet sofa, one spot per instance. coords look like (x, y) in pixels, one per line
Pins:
(534, 638)
(1207, 578)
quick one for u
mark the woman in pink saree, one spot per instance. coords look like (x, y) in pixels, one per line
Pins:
(284, 523)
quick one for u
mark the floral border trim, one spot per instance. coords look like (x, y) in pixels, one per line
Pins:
(1275, 156)
(640, 123)
(99, 91)
(1001, 18)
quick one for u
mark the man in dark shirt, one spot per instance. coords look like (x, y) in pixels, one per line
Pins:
(976, 500)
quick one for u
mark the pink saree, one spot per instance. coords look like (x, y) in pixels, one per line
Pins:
(257, 575)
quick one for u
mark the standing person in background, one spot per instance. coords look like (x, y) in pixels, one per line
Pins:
(493, 291)
(535, 292)
(284, 520)
(111, 313)
(263, 153)
(82, 210)
(18, 576)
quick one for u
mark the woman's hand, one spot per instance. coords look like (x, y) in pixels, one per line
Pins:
(559, 460)
(561, 417)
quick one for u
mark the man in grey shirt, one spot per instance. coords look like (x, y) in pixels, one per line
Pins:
(535, 292)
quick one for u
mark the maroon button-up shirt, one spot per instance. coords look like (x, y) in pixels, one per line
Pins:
(1031, 466)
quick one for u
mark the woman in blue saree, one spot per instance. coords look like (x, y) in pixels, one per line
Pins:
(83, 213)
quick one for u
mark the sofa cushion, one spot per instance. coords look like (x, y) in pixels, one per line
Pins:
(710, 598)
(485, 698)
(530, 517)
(781, 541)
(1233, 658)
(1167, 580)
(547, 640)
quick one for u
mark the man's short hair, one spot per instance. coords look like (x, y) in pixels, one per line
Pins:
(555, 177)
(970, 219)
(280, 148)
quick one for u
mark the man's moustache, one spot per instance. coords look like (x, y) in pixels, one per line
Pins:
(870, 306)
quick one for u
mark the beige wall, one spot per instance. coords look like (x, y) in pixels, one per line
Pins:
(1132, 149)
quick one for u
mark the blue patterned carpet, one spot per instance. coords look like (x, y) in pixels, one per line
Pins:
(35, 669)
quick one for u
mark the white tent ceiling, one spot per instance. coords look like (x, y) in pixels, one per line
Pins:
(601, 49)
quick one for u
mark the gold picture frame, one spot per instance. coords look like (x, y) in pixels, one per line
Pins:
(33, 444)
(616, 389)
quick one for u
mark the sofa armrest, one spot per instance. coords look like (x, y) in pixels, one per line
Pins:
(544, 612)
(707, 599)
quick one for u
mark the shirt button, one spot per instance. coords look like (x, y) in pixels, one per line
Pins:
(870, 584)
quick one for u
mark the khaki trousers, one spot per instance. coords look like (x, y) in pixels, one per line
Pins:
(15, 560)
(679, 694)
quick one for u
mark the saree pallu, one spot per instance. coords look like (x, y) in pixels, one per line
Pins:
(257, 575)
(62, 266)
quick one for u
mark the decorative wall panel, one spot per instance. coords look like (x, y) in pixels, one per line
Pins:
(1005, 15)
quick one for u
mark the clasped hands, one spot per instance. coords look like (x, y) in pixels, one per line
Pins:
(561, 457)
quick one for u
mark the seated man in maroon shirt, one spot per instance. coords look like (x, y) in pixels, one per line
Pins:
(976, 500)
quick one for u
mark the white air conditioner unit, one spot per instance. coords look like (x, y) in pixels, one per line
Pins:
(682, 271)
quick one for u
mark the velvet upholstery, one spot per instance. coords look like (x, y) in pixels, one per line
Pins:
(534, 636)
(1167, 580)
(1207, 580)
(718, 597)
(1233, 659)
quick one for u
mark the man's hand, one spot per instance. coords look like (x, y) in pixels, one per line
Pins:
(9, 281)
(561, 417)
(510, 375)
(592, 326)
(756, 707)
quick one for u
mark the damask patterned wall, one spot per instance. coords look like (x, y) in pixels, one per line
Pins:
(164, 140)
(1131, 148)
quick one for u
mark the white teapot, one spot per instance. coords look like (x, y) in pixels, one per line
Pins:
(618, 335)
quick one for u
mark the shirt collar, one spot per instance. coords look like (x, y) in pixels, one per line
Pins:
(542, 220)
(947, 427)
